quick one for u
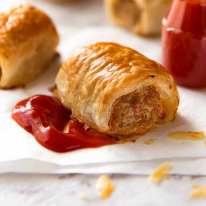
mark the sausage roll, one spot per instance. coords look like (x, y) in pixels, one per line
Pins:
(28, 41)
(141, 16)
(116, 90)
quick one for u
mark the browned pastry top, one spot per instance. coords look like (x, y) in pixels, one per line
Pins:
(94, 79)
(22, 23)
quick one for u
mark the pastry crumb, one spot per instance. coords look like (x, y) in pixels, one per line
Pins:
(149, 141)
(198, 191)
(189, 135)
(105, 186)
(161, 172)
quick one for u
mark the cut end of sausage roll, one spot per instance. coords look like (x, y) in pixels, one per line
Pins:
(141, 16)
(117, 90)
(28, 41)
(137, 112)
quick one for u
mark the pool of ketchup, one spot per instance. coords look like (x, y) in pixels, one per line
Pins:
(51, 125)
(184, 42)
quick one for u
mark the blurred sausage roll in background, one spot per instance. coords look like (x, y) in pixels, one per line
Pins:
(28, 41)
(116, 90)
(141, 16)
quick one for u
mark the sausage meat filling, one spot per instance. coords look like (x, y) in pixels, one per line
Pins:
(140, 109)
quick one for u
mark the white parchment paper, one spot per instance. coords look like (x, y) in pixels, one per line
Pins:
(19, 152)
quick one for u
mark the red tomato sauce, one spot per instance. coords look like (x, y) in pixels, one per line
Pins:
(51, 125)
(184, 42)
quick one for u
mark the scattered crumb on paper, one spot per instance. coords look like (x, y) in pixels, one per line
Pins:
(161, 172)
(105, 186)
(189, 135)
(198, 191)
(149, 141)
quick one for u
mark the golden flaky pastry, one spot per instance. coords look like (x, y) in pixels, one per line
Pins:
(116, 90)
(28, 41)
(141, 16)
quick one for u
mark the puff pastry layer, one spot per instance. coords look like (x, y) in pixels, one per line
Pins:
(141, 16)
(28, 41)
(116, 90)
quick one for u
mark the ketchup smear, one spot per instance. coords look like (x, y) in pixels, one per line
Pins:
(46, 119)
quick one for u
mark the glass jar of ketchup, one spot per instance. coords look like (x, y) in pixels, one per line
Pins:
(184, 42)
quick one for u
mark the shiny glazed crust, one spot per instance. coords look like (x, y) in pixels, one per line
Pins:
(140, 16)
(93, 80)
(28, 41)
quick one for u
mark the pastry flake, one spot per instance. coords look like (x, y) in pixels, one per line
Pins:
(189, 135)
(198, 192)
(161, 172)
(105, 186)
